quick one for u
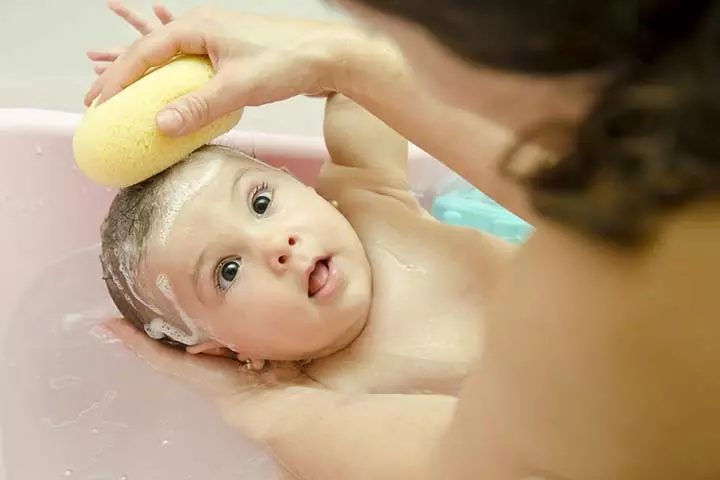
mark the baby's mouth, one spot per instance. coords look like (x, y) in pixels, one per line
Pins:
(319, 276)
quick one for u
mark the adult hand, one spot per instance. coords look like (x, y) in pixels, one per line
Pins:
(312, 431)
(103, 58)
(234, 388)
(258, 60)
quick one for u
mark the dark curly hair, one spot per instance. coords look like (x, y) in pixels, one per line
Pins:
(650, 143)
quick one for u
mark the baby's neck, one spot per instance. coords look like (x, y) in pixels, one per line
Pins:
(343, 342)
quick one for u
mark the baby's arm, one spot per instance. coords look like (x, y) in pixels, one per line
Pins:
(364, 151)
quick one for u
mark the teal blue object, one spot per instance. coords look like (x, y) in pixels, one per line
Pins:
(468, 206)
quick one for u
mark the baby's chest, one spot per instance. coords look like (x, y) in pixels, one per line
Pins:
(424, 329)
(406, 353)
(430, 287)
(420, 265)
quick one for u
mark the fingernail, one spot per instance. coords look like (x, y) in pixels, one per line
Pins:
(170, 121)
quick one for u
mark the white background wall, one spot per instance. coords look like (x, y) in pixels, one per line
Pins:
(43, 62)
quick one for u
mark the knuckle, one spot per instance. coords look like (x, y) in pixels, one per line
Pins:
(221, 88)
(197, 108)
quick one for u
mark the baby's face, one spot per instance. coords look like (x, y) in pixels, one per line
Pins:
(262, 263)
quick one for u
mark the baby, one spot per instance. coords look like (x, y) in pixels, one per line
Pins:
(222, 254)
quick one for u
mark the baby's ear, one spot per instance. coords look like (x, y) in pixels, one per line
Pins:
(210, 347)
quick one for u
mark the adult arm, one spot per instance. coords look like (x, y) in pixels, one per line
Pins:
(326, 435)
(262, 59)
(375, 75)
(312, 432)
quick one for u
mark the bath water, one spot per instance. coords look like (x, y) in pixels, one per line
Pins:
(78, 405)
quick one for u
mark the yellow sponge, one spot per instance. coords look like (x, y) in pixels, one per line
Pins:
(118, 144)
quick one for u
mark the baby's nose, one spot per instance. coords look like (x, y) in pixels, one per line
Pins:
(280, 251)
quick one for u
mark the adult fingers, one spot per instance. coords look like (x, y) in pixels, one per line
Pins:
(100, 68)
(105, 56)
(220, 96)
(157, 355)
(213, 375)
(163, 14)
(133, 18)
(147, 52)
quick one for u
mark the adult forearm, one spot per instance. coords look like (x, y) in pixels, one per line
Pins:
(320, 434)
(374, 74)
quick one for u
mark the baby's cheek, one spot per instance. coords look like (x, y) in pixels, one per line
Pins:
(258, 310)
(270, 309)
(241, 313)
(213, 326)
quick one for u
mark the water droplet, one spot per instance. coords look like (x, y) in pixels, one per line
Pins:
(61, 383)
(38, 150)
(101, 333)
(166, 442)
(68, 473)
(410, 267)
(71, 320)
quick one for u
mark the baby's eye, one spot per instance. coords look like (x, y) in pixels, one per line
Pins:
(261, 202)
(226, 273)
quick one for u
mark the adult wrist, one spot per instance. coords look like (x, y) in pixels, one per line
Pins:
(358, 64)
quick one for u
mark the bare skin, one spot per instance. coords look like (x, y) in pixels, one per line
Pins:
(607, 368)
(394, 346)
(312, 58)
(422, 348)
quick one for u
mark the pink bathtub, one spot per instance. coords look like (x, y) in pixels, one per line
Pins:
(76, 405)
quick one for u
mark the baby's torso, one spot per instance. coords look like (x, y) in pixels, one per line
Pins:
(430, 285)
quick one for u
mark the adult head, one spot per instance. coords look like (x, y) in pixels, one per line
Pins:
(631, 85)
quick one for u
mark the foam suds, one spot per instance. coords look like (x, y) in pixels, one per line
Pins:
(195, 337)
(126, 258)
(159, 328)
(70, 320)
(116, 281)
(63, 383)
(184, 192)
(163, 283)
(102, 333)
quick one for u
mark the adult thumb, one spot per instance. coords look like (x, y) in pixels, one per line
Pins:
(197, 109)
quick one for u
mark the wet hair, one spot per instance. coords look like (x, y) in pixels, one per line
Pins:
(650, 143)
(129, 224)
(124, 235)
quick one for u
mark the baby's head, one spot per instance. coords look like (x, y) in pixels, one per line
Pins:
(222, 250)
